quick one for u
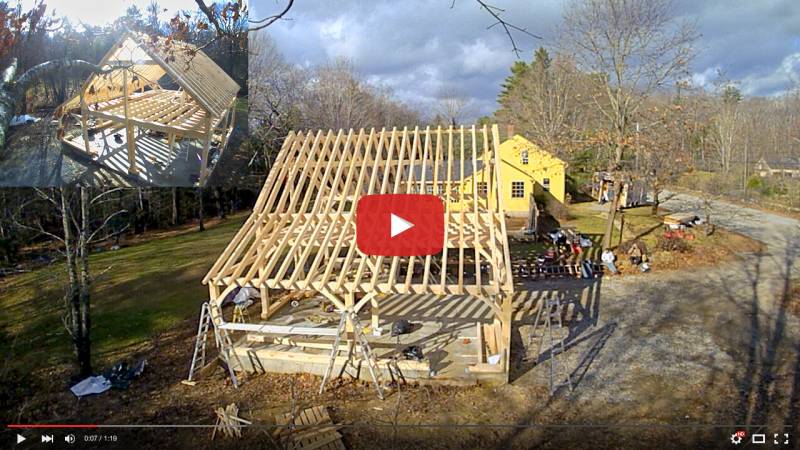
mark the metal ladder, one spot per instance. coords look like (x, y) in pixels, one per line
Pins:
(553, 311)
(221, 339)
(364, 348)
(199, 356)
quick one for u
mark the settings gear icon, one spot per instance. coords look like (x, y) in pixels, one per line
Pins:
(736, 439)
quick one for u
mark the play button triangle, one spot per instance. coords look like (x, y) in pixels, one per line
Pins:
(399, 225)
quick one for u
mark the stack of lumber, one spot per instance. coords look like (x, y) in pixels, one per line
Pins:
(228, 422)
(490, 352)
(679, 219)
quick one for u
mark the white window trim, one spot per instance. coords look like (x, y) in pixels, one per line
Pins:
(513, 190)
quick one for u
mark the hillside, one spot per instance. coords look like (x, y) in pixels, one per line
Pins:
(139, 291)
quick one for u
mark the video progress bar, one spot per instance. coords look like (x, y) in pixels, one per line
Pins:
(389, 425)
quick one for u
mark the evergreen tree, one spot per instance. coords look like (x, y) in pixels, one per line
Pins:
(518, 70)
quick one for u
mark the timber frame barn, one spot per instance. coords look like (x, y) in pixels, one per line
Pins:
(129, 96)
(300, 243)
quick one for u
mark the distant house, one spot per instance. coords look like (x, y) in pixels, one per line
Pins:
(525, 170)
(786, 167)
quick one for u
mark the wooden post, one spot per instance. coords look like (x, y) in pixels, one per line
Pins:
(85, 123)
(298, 266)
(171, 141)
(206, 148)
(506, 319)
(376, 319)
(265, 302)
(349, 303)
(213, 291)
(129, 136)
(232, 115)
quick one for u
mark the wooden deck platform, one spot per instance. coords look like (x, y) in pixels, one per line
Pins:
(156, 163)
(161, 110)
(443, 326)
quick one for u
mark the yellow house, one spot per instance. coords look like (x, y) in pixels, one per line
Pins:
(525, 169)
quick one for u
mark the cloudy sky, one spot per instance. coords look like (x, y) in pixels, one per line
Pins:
(420, 48)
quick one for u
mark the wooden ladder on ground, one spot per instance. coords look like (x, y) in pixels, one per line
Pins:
(363, 347)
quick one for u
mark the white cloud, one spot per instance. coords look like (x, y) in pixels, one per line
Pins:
(784, 77)
(417, 47)
(705, 79)
(340, 37)
(479, 58)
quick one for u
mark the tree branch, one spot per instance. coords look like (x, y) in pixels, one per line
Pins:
(105, 222)
(495, 12)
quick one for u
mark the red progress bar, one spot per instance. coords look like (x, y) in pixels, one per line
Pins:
(54, 425)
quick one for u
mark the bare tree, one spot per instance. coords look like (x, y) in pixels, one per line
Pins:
(637, 47)
(276, 89)
(726, 123)
(453, 105)
(74, 206)
(544, 101)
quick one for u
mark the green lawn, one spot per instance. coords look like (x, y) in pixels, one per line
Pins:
(139, 291)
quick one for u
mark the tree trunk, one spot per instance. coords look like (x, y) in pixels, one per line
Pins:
(8, 100)
(612, 213)
(77, 317)
(84, 349)
(656, 200)
(220, 203)
(175, 218)
(200, 209)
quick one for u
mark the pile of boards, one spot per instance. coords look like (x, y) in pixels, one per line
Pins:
(228, 422)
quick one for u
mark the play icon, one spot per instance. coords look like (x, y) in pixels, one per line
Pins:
(400, 224)
(20, 438)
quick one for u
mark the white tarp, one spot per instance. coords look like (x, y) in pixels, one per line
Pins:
(22, 120)
(91, 385)
(244, 294)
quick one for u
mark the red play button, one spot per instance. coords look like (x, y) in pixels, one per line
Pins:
(400, 224)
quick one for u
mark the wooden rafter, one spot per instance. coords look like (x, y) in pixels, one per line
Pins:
(301, 233)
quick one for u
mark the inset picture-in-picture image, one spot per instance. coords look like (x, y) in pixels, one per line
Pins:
(124, 93)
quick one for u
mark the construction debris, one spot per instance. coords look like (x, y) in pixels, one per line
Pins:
(228, 422)
(24, 119)
(91, 385)
(401, 326)
(413, 352)
(119, 376)
(311, 429)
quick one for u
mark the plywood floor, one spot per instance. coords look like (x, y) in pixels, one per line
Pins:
(155, 163)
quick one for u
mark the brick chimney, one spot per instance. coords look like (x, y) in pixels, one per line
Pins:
(509, 131)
